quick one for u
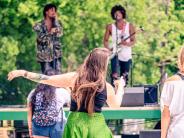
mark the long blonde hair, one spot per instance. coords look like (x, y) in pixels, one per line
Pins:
(181, 60)
(91, 78)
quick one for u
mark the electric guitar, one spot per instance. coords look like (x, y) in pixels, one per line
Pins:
(116, 48)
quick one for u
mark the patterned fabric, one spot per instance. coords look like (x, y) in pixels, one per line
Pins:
(45, 113)
(81, 125)
(48, 45)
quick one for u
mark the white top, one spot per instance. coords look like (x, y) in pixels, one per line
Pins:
(126, 52)
(173, 97)
(62, 97)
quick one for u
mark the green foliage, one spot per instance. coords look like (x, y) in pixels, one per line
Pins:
(84, 24)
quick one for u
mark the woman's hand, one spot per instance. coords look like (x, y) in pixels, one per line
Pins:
(119, 84)
(15, 74)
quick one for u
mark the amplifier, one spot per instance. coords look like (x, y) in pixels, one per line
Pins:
(150, 94)
(133, 96)
(140, 95)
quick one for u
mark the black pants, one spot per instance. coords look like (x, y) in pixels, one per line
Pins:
(114, 65)
(124, 68)
(55, 64)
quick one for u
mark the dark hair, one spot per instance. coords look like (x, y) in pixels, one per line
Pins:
(48, 7)
(47, 90)
(118, 8)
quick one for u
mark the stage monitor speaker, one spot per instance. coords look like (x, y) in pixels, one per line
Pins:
(133, 96)
(20, 124)
(150, 134)
(150, 94)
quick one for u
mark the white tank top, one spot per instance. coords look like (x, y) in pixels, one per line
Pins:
(126, 52)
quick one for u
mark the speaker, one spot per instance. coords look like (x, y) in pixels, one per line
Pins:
(150, 94)
(20, 124)
(129, 136)
(150, 134)
(133, 96)
(22, 133)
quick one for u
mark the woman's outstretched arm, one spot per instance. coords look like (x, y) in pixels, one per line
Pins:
(63, 80)
(114, 96)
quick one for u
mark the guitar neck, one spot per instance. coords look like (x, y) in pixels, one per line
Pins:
(129, 36)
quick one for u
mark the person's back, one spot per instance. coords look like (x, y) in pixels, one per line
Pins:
(48, 116)
(45, 115)
(88, 97)
(173, 97)
(99, 101)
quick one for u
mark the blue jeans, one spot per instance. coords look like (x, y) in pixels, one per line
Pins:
(55, 131)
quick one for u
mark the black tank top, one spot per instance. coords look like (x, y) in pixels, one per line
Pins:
(100, 99)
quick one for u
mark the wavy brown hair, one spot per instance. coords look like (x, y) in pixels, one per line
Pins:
(181, 60)
(91, 78)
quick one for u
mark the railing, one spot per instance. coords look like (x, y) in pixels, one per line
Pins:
(109, 113)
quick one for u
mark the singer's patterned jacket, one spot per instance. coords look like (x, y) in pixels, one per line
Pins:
(48, 45)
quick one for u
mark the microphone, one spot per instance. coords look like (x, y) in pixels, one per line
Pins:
(116, 17)
(53, 22)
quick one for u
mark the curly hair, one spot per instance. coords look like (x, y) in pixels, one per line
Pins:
(118, 8)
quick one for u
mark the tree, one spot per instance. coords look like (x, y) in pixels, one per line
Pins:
(84, 24)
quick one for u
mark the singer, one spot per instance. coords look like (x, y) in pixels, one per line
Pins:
(120, 30)
(49, 31)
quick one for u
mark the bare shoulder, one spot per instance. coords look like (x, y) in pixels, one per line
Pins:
(108, 26)
(131, 26)
(173, 78)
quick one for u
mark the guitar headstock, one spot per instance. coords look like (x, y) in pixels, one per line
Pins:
(141, 29)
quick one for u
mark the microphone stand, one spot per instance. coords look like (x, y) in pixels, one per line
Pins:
(53, 26)
(116, 54)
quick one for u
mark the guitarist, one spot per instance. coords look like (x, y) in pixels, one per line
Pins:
(120, 30)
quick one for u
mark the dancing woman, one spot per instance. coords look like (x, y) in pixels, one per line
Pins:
(89, 92)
